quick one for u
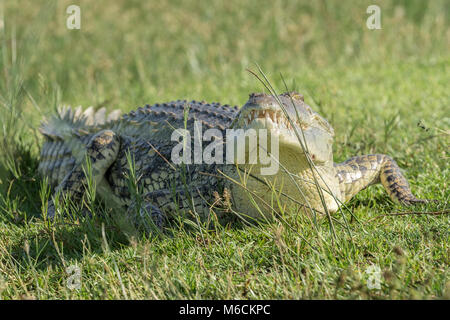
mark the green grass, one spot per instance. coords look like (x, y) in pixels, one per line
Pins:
(374, 86)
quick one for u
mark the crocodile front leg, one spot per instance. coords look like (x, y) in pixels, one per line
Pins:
(359, 172)
(101, 151)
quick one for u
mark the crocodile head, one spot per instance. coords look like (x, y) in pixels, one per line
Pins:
(301, 134)
(297, 127)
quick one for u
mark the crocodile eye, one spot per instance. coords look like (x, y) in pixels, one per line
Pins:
(323, 124)
(297, 96)
(304, 126)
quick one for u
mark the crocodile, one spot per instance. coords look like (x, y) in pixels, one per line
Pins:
(142, 142)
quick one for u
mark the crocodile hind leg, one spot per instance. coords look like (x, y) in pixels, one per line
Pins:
(359, 172)
(101, 152)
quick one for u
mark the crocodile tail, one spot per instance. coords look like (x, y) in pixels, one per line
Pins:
(65, 134)
(69, 122)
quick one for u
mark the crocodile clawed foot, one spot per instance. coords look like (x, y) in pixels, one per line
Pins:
(157, 216)
(147, 212)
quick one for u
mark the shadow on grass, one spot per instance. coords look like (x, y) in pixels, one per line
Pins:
(42, 244)
(19, 186)
(46, 245)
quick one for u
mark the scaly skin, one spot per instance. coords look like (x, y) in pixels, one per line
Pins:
(359, 172)
(307, 174)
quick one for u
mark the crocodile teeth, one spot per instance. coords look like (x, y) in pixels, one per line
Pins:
(276, 117)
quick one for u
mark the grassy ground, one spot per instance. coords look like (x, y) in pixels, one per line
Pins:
(384, 91)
